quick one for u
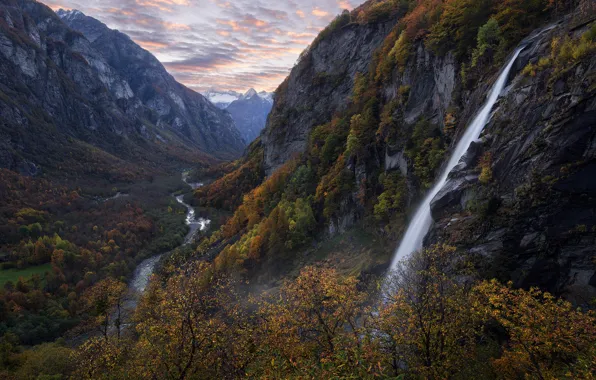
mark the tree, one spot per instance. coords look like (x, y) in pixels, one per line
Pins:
(458, 25)
(547, 338)
(99, 358)
(192, 327)
(427, 324)
(105, 301)
(393, 198)
(516, 17)
(312, 328)
(489, 37)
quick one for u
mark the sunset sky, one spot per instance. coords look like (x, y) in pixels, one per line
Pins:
(225, 44)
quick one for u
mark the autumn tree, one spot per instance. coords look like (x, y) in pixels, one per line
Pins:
(193, 327)
(547, 337)
(99, 358)
(426, 323)
(312, 328)
(105, 301)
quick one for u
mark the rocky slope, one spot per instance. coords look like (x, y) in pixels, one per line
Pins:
(319, 86)
(59, 93)
(250, 113)
(186, 112)
(522, 203)
(533, 219)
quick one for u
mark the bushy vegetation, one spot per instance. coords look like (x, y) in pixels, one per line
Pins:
(425, 324)
(227, 191)
(567, 52)
(393, 198)
(426, 150)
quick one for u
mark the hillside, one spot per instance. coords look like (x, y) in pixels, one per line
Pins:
(392, 99)
(175, 106)
(61, 93)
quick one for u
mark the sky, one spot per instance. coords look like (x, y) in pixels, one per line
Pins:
(221, 44)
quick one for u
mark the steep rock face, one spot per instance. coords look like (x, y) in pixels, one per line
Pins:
(173, 106)
(319, 86)
(49, 84)
(250, 114)
(431, 81)
(533, 220)
(530, 217)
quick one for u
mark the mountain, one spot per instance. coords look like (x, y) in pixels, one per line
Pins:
(222, 99)
(62, 93)
(249, 110)
(250, 113)
(462, 130)
(363, 126)
(186, 112)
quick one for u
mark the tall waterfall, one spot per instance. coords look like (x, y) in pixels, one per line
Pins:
(420, 224)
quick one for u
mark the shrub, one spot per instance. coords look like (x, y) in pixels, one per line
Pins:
(489, 37)
(486, 171)
(401, 51)
(394, 196)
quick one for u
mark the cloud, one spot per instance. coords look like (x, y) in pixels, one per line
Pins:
(227, 44)
(317, 12)
(345, 4)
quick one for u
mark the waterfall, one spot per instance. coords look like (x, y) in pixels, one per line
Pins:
(420, 224)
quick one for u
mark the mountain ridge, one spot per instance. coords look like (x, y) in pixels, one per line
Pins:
(175, 104)
(60, 93)
(222, 99)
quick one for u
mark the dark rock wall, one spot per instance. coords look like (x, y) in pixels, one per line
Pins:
(534, 221)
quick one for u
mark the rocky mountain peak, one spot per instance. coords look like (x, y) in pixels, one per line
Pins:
(250, 93)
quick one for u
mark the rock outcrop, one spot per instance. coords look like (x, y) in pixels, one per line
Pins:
(319, 86)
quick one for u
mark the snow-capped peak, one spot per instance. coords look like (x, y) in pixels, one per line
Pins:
(69, 14)
(223, 99)
(250, 93)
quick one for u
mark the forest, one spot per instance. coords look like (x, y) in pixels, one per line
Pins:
(433, 319)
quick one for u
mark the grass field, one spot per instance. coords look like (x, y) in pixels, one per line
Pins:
(14, 274)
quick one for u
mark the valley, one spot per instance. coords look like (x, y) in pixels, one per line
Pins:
(414, 201)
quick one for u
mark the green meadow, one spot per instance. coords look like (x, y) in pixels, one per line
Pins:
(14, 274)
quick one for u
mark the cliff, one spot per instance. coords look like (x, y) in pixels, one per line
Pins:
(371, 113)
(531, 216)
(319, 86)
(59, 93)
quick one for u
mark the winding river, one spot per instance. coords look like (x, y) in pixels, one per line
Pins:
(145, 269)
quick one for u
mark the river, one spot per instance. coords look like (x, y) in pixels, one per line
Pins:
(145, 269)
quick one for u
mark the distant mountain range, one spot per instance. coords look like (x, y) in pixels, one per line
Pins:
(222, 99)
(249, 110)
(74, 92)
